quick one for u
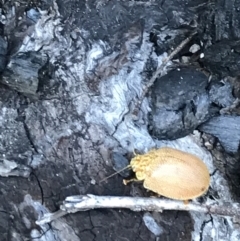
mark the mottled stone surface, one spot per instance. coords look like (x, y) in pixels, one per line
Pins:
(70, 73)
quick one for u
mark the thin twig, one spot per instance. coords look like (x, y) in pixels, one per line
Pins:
(159, 71)
(74, 204)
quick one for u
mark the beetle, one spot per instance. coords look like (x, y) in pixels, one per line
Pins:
(171, 173)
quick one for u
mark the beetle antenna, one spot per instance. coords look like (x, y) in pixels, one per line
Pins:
(127, 167)
(115, 173)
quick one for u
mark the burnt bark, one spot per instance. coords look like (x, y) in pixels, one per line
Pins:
(71, 72)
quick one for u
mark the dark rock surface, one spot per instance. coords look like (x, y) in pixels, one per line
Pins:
(223, 58)
(3, 53)
(184, 99)
(70, 71)
(22, 73)
(179, 99)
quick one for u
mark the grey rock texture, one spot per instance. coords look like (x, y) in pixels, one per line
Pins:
(226, 129)
(70, 71)
(221, 94)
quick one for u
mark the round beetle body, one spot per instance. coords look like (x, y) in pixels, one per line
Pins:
(172, 173)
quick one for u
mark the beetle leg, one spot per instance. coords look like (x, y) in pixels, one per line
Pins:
(125, 182)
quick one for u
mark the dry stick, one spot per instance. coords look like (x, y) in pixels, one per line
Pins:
(159, 71)
(74, 204)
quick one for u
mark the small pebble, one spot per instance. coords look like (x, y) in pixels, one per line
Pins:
(194, 48)
(152, 225)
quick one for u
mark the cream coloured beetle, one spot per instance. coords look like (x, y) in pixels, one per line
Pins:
(172, 173)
